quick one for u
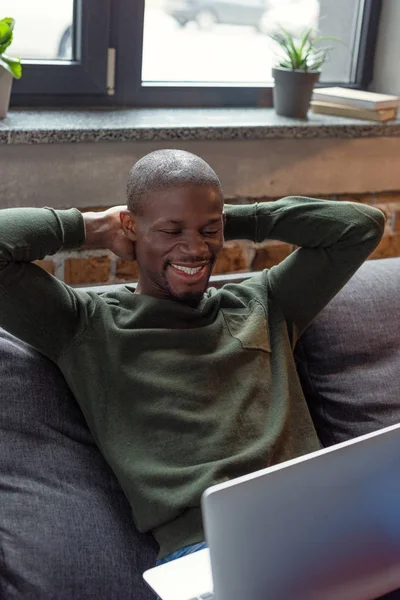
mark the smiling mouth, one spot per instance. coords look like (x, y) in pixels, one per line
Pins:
(190, 273)
(188, 270)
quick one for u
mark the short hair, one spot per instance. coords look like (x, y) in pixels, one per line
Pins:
(164, 169)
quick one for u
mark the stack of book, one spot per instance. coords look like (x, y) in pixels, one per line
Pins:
(357, 104)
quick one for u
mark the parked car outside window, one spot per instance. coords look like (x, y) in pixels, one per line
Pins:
(265, 15)
(207, 13)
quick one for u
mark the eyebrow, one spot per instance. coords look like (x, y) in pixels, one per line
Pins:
(178, 222)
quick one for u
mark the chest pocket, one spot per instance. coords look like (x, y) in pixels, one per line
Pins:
(249, 327)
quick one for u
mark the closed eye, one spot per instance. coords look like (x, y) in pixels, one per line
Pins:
(209, 232)
(172, 232)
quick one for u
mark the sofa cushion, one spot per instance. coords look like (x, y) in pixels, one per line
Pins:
(349, 357)
(66, 527)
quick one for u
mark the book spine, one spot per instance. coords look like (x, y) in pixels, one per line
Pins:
(363, 104)
(371, 115)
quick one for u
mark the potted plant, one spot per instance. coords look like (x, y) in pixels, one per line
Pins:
(298, 69)
(9, 67)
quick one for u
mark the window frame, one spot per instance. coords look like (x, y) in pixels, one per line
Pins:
(86, 75)
(120, 25)
(364, 70)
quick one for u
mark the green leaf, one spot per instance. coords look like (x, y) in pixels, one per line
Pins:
(301, 53)
(6, 33)
(305, 39)
(321, 38)
(295, 56)
(3, 48)
(12, 65)
(279, 39)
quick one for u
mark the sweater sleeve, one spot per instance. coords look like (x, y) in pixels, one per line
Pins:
(35, 306)
(334, 239)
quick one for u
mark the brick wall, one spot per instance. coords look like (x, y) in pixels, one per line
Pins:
(101, 266)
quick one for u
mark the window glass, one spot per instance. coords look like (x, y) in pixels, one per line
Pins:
(43, 28)
(199, 42)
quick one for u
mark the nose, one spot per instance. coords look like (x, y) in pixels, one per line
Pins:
(193, 245)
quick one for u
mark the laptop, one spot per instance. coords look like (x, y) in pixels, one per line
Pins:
(325, 526)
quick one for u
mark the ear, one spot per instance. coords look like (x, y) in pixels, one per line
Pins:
(224, 218)
(128, 224)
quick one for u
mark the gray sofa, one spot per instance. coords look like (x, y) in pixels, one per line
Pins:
(65, 526)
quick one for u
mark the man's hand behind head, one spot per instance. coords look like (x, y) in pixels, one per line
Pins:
(104, 230)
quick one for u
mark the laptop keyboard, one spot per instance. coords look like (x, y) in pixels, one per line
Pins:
(206, 596)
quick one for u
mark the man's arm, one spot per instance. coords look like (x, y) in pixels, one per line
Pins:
(35, 306)
(334, 239)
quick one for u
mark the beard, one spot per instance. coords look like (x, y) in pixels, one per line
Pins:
(189, 298)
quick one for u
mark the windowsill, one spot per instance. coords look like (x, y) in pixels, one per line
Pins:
(50, 126)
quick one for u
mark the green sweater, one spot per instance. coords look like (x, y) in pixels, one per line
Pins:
(180, 398)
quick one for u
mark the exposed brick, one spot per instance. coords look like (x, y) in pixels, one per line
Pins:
(389, 246)
(269, 254)
(371, 198)
(263, 199)
(246, 200)
(94, 209)
(127, 270)
(46, 265)
(236, 255)
(367, 198)
(387, 197)
(87, 270)
(389, 210)
(231, 259)
(361, 199)
(396, 222)
(322, 196)
(237, 200)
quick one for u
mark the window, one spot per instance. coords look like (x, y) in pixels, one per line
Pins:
(42, 32)
(224, 42)
(179, 52)
(64, 47)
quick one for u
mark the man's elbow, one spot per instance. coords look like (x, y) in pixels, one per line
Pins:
(373, 220)
(378, 224)
(380, 218)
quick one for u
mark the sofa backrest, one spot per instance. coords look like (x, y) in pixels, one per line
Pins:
(349, 357)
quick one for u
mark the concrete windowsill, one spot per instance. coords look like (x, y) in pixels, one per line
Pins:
(44, 126)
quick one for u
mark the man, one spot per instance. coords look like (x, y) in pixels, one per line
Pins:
(183, 387)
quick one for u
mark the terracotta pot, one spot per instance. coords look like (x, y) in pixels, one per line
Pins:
(5, 91)
(292, 92)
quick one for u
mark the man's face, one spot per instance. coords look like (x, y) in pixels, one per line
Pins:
(178, 238)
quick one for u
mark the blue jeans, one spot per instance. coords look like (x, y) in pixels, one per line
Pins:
(182, 552)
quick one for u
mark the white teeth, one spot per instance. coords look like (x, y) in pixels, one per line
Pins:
(189, 270)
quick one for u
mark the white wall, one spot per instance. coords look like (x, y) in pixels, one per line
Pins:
(90, 175)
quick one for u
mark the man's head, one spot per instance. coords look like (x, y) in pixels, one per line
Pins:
(175, 205)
